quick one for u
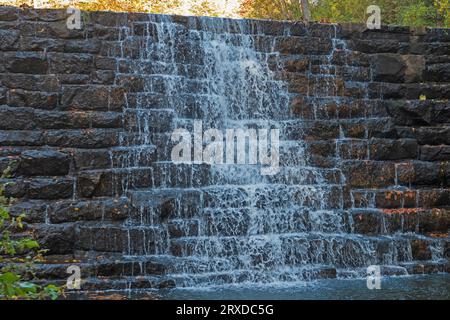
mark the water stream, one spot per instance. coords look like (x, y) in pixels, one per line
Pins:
(222, 224)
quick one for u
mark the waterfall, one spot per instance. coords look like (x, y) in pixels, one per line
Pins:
(216, 224)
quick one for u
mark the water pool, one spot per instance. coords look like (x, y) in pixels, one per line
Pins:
(435, 286)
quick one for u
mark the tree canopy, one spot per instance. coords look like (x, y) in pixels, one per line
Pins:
(434, 13)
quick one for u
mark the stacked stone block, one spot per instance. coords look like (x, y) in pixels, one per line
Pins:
(372, 105)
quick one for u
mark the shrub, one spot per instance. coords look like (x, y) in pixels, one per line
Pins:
(18, 254)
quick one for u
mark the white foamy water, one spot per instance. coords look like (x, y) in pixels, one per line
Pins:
(212, 225)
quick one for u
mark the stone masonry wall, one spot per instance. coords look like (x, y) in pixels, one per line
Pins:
(62, 94)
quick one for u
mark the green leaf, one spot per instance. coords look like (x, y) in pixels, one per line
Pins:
(14, 266)
(52, 291)
(28, 287)
(9, 277)
(30, 244)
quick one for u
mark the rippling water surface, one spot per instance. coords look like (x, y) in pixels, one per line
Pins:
(393, 288)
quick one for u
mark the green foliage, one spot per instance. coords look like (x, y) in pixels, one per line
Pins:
(417, 15)
(271, 9)
(433, 13)
(94, 5)
(18, 253)
(186, 7)
(204, 8)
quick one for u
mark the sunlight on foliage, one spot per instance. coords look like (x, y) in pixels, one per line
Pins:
(222, 8)
(18, 253)
(398, 12)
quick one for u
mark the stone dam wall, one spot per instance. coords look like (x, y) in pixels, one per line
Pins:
(84, 119)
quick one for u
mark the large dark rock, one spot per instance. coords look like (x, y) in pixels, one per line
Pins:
(106, 77)
(389, 68)
(105, 63)
(16, 188)
(98, 210)
(384, 149)
(395, 199)
(421, 250)
(77, 120)
(433, 135)
(16, 118)
(438, 72)
(382, 128)
(415, 65)
(303, 45)
(40, 188)
(27, 63)
(58, 29)
(32, 82)
(20, 138)
(427, 173)
(85, 98)
(9, 39)
(92, 159)
(88, 139)
(66, 63)
(436, 221)
(378, 46)
(44, 163)
(368, 174)
(132, 83)
(434, 198)
(45, 15)
(32, 99)
(57, 239)
(8, 13)
(296, 65)
(418, 112)
(367, 222)
(50, 189)
(102, 238)
(35, 211)
(434, 153)
(92, 46)
(95, 184)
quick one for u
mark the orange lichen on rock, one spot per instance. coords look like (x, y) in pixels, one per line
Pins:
(403, 211)
(393, 195)
(108, 297)
(438, 212)
(437, 234)
(409, 194)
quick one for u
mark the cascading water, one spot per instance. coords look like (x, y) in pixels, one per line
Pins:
(215, 224)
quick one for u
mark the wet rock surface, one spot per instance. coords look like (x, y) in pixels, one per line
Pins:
(85, 124)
